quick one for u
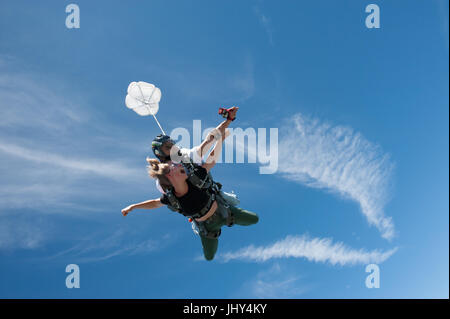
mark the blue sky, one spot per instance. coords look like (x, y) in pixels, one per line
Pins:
(362, 116)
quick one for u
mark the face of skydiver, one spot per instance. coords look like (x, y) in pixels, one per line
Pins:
(176, 172)
(167, 148)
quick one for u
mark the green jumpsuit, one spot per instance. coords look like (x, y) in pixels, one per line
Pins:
(215, 222)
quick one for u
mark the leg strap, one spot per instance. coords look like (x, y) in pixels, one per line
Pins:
(230, 217)
(225, 210)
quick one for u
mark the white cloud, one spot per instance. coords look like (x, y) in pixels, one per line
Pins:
(60, 154)
(266, 23)
(275, 282)
(101, 246)
(338, 159)
(96, 166)
(17, 232)
(57, 183)
(52, 146)
(27, 103)
(312, 249)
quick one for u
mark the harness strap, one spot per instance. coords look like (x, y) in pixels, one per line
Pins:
(194, 179)
(177, 207)
(205, 232)
(226, 212)
(173, 201)
(230, 218)
(207, 207)
(206, 183)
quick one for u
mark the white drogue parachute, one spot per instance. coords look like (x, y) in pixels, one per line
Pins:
(143, 98)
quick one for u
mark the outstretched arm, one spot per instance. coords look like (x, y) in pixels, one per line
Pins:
(149, 204)
(221, 129)
(213, 156)
(215, 153)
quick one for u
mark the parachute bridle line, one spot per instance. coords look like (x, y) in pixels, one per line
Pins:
(159, 124)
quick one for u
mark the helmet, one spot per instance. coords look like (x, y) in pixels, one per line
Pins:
(157, 143)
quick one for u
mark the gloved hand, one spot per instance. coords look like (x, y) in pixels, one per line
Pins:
(229, 114)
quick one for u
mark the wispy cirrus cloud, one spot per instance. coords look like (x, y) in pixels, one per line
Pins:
(265, 22)
(21, 231)
(319, 155)
(105, 168)
(51, 145)
(321, 250)
(276, 282)
(336, 158)
(27, 103)
(101, 246)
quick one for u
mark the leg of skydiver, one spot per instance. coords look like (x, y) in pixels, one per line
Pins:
(243, 217)
(210, 244)
(217, 221)
(209, 247)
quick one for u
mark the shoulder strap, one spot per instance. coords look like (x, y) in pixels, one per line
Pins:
(195, 180)
(174, 204)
